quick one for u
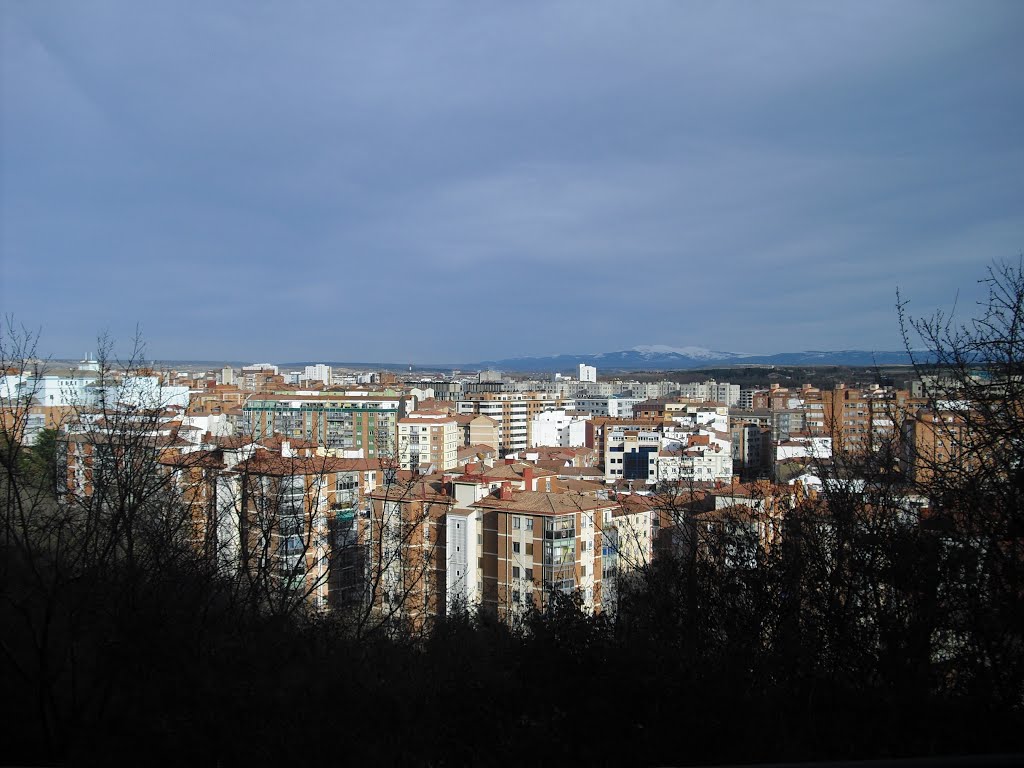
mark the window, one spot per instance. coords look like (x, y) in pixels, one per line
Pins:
(529, 523)
(583, 570)
(516, 522)
(515, 571)
(515, 547)
(529, 549)
(529, 574)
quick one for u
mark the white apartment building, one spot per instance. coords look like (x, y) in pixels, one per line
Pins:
(691, 416)
(812, 447)
(558, 428)
(713, 391)
(318, 372)
(699, 464)
(616, 406)
(588, 373)
(424, 442)
(50, 391)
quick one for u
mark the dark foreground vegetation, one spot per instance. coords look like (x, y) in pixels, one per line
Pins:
(861, 628)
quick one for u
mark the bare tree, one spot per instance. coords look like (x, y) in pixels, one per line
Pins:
(92, 557)
(965, 453)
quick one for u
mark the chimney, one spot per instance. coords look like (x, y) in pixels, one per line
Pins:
(471, 468)
(505, 494)
(528, 478)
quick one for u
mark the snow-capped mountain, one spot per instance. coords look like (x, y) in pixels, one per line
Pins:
(661, 357)
(693, 353)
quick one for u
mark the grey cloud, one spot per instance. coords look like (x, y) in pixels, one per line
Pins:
(332, 160)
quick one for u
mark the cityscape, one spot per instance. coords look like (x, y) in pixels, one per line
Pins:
(389, 505)
(560, 383)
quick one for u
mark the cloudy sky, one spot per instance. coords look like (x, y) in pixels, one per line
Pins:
(435, 181)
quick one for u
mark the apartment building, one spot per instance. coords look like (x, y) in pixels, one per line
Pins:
(857, 419)
(751, 446)
(477, 430)
(616, 406)
(255, 377)
(935, 442)
(291, 511)
(428, 444)
(558, 428)
(513, 411)
(319, 372)
(598, 430)
(52, 401)
(704, 457)
(351, 423)
(711, 390)
(215, 400)
(533, 544)
(406, 545)
(631, 455)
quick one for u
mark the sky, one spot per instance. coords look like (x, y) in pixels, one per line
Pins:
(464, 181)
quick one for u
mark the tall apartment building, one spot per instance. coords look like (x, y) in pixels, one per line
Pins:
(255, 375)
(699, 460)
(751, 446)
(588, 373)
(425, 443)
(513, 411)
(616, 406)
(712, 390)
(599, 429)
(318, 372)
(631, 454)
(746, 401)
(856, 419)
(349, 423)
(288, 508)
(936, 441)
(535, 543)
(558, 428)
(494, 538)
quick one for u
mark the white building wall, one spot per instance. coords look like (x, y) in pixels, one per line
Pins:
(557, 428)
(461, 553)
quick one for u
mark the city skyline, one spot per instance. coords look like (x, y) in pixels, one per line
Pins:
(451, 185)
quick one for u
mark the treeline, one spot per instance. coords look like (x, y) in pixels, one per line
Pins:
(694, 669)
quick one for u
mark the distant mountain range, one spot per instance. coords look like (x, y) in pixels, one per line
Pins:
(659, 358)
